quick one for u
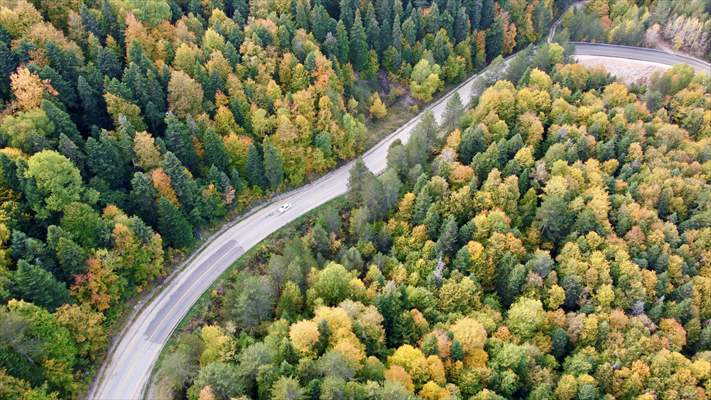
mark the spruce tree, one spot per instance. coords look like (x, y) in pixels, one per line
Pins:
(442, 47)
(173, 226)
(487, 14)
(358, 44)
(384, 15)
(446, 22)
(215, 153)
(38, 286)
(321, 22)
(8, 63)
(179, 140)
(255, 171)
(356, 183)
(374, 195)
(142, 198)
(472, 143)
(324, 335)
(430, 347)
(397, 34)
(448, 236)
(273, 166)
(347, 10)
(63, 124)
(372, 29)
(419, 147)
(89, 21)
(321, 241)
(422, 205)
(342, 39)
(390, 306)
(108, 62)
(430, 22)
(302, 15)
(184, 185)
(495, 39)
(473, 8)
(67, 95)
(110, 157)
(457, 352)
(69, 149)
(453, 112)
(461, 25)
(92, 105)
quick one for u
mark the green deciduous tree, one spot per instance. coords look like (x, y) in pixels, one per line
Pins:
(30, 337)
(332, 284)
(52, 182)
(31, 131)
(251, 302)
(184, 94)
(425, 80)
(223, 380)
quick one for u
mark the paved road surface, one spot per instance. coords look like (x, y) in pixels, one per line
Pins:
(639, 54)
(125, 374)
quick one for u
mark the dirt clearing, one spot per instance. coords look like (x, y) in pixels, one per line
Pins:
(626, 71)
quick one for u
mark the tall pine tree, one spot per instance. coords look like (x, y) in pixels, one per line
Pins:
(273, 166)
(495, 39)
(342, 39)
(358, 44)
(487, 14)
(173, 226)
(179, 140)
(39, 286)
(356, 182)
(255, 170)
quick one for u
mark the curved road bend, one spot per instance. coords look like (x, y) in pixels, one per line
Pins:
(126, 371)
(639, 54)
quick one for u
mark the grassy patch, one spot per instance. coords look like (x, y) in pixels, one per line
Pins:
(398, 114)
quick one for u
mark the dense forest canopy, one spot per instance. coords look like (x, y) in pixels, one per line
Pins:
(127, 127)
(677, 25)
(554, 243)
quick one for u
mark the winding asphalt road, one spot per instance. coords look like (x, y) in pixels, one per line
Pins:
(126, 371)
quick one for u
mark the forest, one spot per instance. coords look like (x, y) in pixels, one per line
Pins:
(683, 26)
(551, 242)
(130, 128)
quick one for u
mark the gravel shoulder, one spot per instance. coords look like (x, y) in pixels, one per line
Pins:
(626, 70)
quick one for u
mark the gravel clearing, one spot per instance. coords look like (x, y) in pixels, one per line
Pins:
(626, 71)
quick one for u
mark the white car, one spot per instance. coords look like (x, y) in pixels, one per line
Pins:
(284, 207)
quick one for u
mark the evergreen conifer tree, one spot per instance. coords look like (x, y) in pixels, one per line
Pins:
(173, 226)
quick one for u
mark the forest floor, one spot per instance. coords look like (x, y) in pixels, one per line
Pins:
(626, 71)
